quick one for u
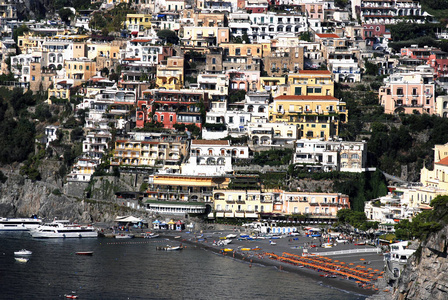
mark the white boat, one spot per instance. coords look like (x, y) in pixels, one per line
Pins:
(19, 224)
(231, 236)
(327, 245)
(170, 248)
(21, 259)
(124, 236)
(23, 252)
(63, 229)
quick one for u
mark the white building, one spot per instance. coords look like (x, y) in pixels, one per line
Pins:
(213, 157)
(331, 155)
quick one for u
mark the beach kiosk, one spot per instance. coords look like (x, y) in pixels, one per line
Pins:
(156, 225)
(180, 225)
(171, 225)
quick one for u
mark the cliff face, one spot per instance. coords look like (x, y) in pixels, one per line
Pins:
(20, 197)
(425, 276)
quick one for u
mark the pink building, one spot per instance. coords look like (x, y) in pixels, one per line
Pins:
(409, 92)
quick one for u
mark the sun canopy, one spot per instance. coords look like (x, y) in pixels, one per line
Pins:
(129, 219)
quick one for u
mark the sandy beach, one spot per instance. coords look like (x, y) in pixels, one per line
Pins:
(293, 245)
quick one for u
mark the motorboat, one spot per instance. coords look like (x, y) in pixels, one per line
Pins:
(87, 253)
(327, 245)
(23, 252)
(124, 236)
(151, 235)
(21, 259)
(170, 248)
(19, 224)
(231, 236)
(63, 229)
(272, 243)
(71, 296)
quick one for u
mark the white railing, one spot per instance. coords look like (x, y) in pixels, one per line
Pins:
(342, 252)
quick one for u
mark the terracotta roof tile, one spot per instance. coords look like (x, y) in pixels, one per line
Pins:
(327, 35)
(443, 161)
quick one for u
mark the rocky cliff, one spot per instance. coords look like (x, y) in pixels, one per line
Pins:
(425, 275)
(21, 197)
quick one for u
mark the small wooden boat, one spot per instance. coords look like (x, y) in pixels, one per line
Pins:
(227, 250)
(256, 248)
(23, 252)
(21, 259)
(245, 249)
(88, 253)
(150, 236)
(177, 237)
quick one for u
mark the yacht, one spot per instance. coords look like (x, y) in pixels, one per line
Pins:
(19, 224)
(64, 229)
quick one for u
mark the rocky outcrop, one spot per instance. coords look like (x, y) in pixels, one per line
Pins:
(21, 197)
(425, 275)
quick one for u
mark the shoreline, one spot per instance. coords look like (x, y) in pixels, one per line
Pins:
(253, 258)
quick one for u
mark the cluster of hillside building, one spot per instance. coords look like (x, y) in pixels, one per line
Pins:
(285, 56)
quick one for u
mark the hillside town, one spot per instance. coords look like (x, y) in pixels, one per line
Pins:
(186, 94)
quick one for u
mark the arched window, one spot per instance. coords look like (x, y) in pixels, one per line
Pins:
(344, 155)
(355, 156)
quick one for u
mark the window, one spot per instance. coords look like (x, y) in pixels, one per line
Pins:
(400, 91)
(213, 61)
(237, 51)
(171, 118)
(344, 155)
(355, 156)
(318, 90)
(231, 120)
(33, 78)
(87, 68)
(241, 119)
(309, 90)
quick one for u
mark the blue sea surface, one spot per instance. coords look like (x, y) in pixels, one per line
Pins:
(134, 269)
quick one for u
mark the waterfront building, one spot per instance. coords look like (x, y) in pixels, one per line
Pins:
(242, 203)
(186, 188)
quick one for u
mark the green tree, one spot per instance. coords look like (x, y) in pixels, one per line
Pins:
(168, 36)
(66, 14)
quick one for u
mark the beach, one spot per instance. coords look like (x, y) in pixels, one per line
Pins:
(260, 250)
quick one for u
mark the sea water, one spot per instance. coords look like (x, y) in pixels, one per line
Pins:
(134, 269)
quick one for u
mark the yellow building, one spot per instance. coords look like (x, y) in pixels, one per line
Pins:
(170, 73)
(79, 70)
(242, 203)
(316, 116)
(311, 83)
(136, 23)
(163, 154)
(270, 84)
(204, 36)
(438, 177)
(174, 187)
(255, 50)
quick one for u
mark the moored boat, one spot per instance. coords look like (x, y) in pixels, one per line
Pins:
(88, 253)
(21, 259)
(19, 224)
(124, 236)
(170, 248)
(23, 252)
(63, 229)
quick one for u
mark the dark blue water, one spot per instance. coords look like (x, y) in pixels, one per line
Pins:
(133, 269)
